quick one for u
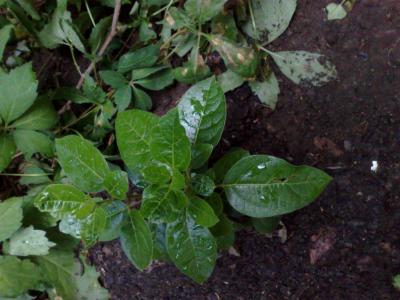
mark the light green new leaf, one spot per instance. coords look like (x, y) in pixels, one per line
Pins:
(133, 129)
(304, 67)
(335, 11)
(93, 226)
(4, 36)
(202, 213)
(82, 162)
(7, 151)
(28, 241)
(40, 116)
(30, 142)
(266, 186)
(116, 214)
(17, 276)
(61, 200)
(116, 184)
(267, 91)
(136, 240)
(17, 92)
(192, 248)
(141, 58)
(204, 10)
(230, 80)
(202, 112)
(271, 18)
(10, 216)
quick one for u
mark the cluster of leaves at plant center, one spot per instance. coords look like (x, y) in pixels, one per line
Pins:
(182, 209)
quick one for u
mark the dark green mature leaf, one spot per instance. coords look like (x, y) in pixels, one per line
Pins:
(123, 97)
(202, 212)
(17, 276)
(146, 32)
(202, 185)
(10, 216)
(145, 72)
(17, 92)
(136, 240)
(159, 240)
(114, 79)
(222, 166)
(133, 129)
(267, 91)
(157, 81)
(93, 226)
(40, 116)
(179, 18)
(31, 142)
(224, 232)
(266, 225)
(83, 163)
(202, 112)
(204, 10)
(191, 247)
(141, 58)
(266, 186)
(271, 19)
(116, 184)
(62, 199)
(116, 214)
(5, 33)
(200, 154)
(242, 60)
(169, 143)
(7, 150)
(304, 67)
(161, 203)
(142, 99)
(99, 33)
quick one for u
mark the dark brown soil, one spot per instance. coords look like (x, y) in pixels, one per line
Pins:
(346, 245)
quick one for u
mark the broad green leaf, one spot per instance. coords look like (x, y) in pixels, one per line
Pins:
(136, 240)
(141, 58)
(335, 11)
(113, 79)
(224, 232)
(159, 241)
(30, 142)
(240, 59)
(192, 248)
(200, 154)
(202, 213)
(178, 181)
(266, 225)
(169, 143)
(133, 129)
(162, 204)
(82, 162)
(28, 241)
(99, 33)
(267, 91)
(17, 276)
(157, 81)
(62, 199)
(71, 225)
(93, 226)
(204, 10)
(271, 18)
(116, 184)
(40, 116)
(222, 166)
(88, 285)
(202, 185)
(142, 99)
(17, 92)
(10, 216)
(123, 97)
(304, 67)
(202, 112)
(116, 213)
(7, 151)
(266, 186)
(145, 72)
(157, 173)
(230, 80)
(5, 33)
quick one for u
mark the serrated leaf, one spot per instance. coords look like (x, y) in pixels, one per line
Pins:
(133, 129)
(271, 18)
(116, 215)
(304, 67)
(141, 58)
(222, 166)
(113, 79)
(61, 200)
(267, 91)
(5, 33)
(266, 186)
(10, 216)
(40, 116)
(116, 184)
(7, 151)
(136, 240)
(202, 112)
(160, 203)
(88, 285)
(30, 142)
(202, 212)
(335, 11)
(157, 81)
(142, 99)
(17, 276)
(82, 162)
(230, 80)
(192, 248)
(200, 154)
(204, 10)
(28, 241)
(169, 143)
(17, 92)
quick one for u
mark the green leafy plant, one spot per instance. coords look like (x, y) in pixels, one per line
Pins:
(182, 215)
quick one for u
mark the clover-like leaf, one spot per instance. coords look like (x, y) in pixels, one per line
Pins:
(141, 58)
(7, 150)
(31, 142)
(10, 216)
